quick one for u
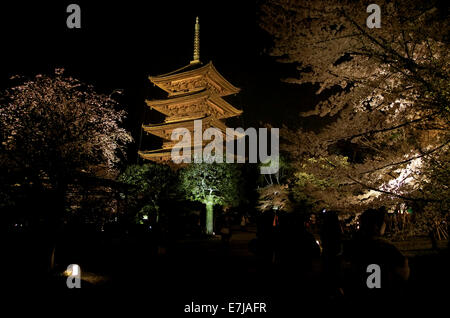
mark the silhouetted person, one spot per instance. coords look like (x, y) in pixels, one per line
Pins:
(243, 223)
(368, 248)
(432, 236)
(331, 237)
(225, 231)
(295, 250)
(265, 238)
(297, 247)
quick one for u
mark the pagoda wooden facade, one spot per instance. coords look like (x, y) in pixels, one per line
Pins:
(195, 92)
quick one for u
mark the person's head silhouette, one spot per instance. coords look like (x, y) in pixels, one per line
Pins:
(372, 222)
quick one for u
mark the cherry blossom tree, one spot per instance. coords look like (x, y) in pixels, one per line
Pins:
(386, 90)
(53, 128)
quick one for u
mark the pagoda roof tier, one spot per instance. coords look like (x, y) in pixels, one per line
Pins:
(163, 154)
(193, 78)
(156, 155)
(164, 130)
(201, 103)
(170, 144)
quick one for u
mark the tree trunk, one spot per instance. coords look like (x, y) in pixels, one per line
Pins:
(54, 221)
(209, 217)
(52, 259)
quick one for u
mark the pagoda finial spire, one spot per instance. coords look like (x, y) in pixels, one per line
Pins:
(196, 42)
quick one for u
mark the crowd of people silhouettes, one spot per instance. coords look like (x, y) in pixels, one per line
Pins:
(293, 247)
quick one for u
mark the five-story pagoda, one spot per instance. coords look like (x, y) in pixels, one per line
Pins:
(195, 92)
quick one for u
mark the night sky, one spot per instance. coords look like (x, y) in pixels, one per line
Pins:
(121, 43)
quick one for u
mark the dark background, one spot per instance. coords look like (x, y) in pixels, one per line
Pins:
(121, 43)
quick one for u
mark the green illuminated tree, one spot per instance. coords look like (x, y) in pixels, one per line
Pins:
(282, 175)
(211, 184)
(151, 185)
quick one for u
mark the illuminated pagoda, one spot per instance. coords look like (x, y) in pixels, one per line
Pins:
(195, 92)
